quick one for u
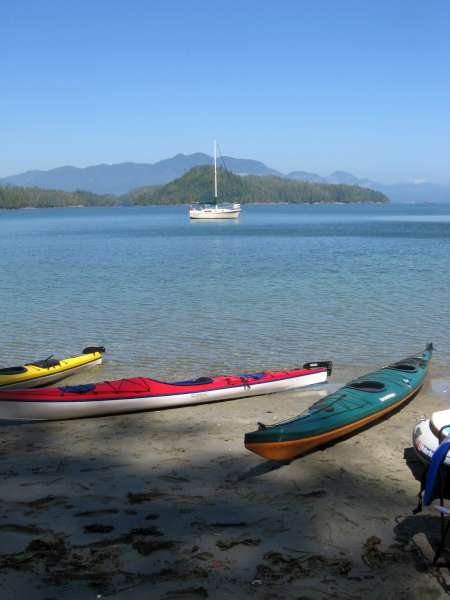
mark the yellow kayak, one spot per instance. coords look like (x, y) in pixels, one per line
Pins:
(49, 370)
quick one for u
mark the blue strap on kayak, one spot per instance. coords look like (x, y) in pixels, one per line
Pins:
(436, 462)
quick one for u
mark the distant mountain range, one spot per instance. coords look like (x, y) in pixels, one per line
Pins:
(396, 192)
(121, 178)
(197, 186)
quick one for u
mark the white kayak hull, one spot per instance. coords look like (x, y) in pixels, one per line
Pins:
(440, 423)
(57, 410)
(425, 442)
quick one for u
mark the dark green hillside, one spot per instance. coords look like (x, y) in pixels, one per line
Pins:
(22, 197)
(197, 186)
(276, 189)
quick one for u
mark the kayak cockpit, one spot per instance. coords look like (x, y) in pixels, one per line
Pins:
(78, 389)
(13, 370)
(198, 381)
(367, 386)
(409, 365)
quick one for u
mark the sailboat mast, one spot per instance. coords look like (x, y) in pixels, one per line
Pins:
(215, 170)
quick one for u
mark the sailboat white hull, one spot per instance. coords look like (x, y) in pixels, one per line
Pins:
(213, 213)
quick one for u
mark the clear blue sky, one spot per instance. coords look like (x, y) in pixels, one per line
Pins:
(315, 85)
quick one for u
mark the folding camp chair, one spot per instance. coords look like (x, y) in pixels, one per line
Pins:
(437, 475)
(444, 530)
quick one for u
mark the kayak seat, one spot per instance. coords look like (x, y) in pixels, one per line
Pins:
(78, 389)
(367, 386)
(199, 381)
(13, 371)
(46, 363)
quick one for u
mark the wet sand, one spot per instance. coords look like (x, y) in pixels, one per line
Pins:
(171, 505)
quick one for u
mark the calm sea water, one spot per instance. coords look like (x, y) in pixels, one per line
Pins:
(361, 285)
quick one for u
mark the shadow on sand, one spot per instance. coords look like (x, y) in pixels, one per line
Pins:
(169, 505)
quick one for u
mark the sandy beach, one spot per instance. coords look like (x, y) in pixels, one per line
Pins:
(171, 505)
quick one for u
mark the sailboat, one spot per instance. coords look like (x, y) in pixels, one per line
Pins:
(215, 210)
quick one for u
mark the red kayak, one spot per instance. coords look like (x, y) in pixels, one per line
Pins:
(142, 393)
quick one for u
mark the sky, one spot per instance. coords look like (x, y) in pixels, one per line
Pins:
(312, 85)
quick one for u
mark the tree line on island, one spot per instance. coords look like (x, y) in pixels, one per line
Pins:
(196, 186)
(33, 197)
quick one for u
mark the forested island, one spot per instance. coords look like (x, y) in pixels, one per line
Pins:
(33, 197)
(197, 186)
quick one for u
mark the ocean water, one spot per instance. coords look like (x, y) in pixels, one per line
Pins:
(361, 285)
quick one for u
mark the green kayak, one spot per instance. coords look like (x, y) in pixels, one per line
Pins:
(348, 409)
